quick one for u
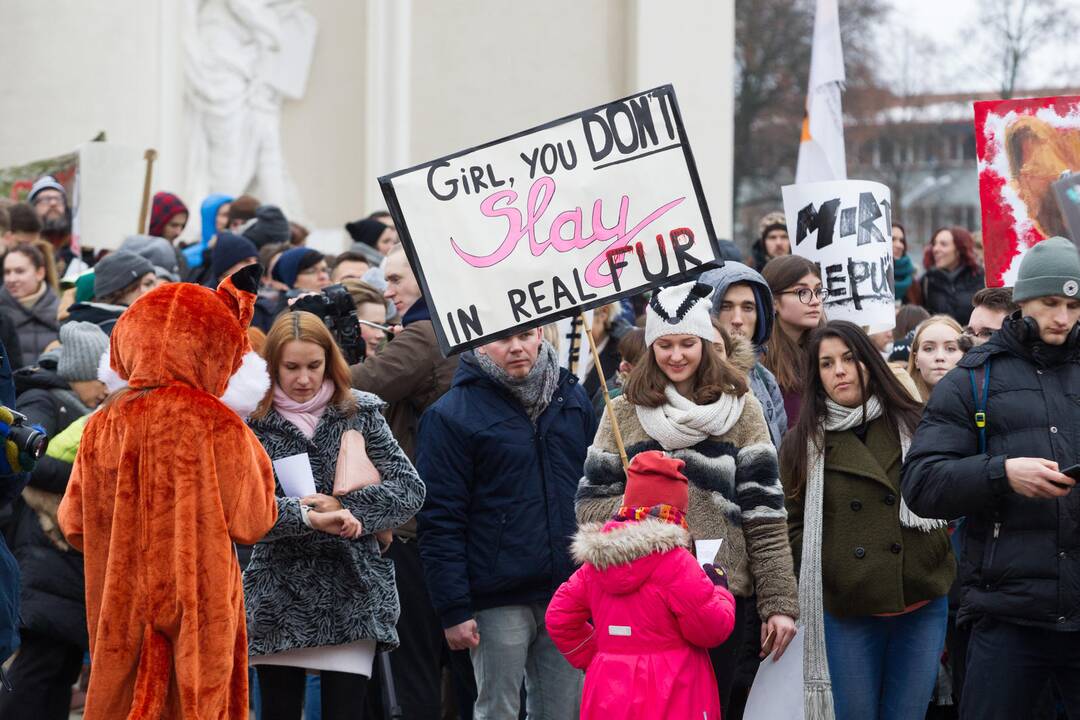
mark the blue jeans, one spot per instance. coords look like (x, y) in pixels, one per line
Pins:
(884, 668)
(514, 644)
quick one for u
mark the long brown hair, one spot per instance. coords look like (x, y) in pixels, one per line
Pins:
(715, 376)
(784, 357)
(900, 409)
(965, 248)
(306, 327)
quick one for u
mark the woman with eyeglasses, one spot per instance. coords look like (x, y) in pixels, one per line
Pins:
(798, 300)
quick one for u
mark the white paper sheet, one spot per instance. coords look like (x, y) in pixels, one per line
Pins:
(706, 550)
(777, 691)
(294, 474)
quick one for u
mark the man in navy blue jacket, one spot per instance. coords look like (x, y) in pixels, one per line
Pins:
(501, 454)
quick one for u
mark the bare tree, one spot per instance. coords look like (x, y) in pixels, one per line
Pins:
(772, 62)
(1017, 30)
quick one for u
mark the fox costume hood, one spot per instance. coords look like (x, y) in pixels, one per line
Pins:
(166, 478)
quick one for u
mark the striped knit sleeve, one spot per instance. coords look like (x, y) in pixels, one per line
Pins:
(761, 500)
(600, 491)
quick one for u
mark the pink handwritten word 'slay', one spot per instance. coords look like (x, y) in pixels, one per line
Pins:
(541, 194)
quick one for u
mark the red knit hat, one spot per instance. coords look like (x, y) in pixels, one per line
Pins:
(656, 479)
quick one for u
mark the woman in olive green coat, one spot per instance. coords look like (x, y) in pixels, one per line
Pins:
(873, 576)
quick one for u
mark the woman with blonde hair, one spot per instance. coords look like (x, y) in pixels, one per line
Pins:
(318, 592)
(934, 352)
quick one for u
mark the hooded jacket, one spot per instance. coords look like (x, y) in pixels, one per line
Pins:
(762, 382)
(1020, 560)
(638, 617)
(496, 526)
(167, 477)
(36, 326)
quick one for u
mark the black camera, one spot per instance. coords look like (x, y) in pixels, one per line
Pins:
(335, 307)
(29, 440)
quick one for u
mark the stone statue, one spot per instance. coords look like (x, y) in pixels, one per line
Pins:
(242, 60)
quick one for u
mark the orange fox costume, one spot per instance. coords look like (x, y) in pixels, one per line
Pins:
(166, 477)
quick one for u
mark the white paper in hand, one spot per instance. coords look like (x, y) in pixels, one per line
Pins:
(294, 474)
(777, 691)
(706, 550)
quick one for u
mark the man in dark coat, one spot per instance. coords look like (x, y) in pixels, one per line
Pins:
(1020, 563)
(501, 454)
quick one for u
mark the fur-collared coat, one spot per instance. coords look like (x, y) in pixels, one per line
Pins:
(639, 617)
(735, 494)
(304, 588)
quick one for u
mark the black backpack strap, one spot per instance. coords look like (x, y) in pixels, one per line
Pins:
(980, 390)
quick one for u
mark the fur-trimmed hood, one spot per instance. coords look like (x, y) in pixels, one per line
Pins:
(615, 548)
(742, 354)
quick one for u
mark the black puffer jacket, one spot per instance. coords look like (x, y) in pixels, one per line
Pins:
(53, 600)
(949, 292)
(1021, 556)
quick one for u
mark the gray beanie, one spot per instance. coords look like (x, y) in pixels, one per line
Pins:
(158, 251)
(1051, 267)
(82, 345)
(117, 270)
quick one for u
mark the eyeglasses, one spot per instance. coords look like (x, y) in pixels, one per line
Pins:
(50, 199)
(805, 294)
(983, 334)
(315, 270)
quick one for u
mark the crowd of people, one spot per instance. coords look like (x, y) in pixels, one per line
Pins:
(490, 536)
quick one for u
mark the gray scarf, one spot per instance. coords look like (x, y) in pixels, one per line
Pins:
(535, 390)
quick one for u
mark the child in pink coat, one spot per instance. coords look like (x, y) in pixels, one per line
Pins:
(654, 610)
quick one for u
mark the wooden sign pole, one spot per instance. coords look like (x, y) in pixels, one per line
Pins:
(150, 156)
(603, 389)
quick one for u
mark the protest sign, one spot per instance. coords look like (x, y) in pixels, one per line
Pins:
(1023, 146)
(845, 226)
(16, 181)
(574, 214)
(104, 186)
(573, 346)
(108, 194)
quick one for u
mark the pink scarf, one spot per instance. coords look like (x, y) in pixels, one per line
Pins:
(304, 415)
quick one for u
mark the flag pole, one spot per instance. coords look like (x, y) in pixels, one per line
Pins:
(149, 156)
(603, 389)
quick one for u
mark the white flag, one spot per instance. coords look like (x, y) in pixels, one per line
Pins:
(821, 149)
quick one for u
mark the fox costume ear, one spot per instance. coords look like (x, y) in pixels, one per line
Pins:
(239, 292)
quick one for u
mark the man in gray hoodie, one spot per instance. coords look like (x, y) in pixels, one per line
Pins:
(743, 303)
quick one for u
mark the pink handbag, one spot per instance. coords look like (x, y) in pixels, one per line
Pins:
(355, 471)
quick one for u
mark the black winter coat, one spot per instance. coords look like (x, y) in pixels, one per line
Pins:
(53, 596)
(495, 529)
(1021, 556)
(949, 292)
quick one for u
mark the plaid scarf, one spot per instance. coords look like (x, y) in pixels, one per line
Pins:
(665, 513)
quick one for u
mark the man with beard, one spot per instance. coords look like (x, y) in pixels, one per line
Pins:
(49, 200)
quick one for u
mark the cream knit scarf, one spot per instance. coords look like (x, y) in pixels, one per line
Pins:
(681, 423)
(817, 685)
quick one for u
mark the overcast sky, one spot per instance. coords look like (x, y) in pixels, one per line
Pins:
(954, 56)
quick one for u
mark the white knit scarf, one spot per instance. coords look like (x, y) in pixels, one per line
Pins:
(817, 685)
(681, 423)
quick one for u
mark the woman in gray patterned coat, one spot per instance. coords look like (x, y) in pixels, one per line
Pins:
(318, 592)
